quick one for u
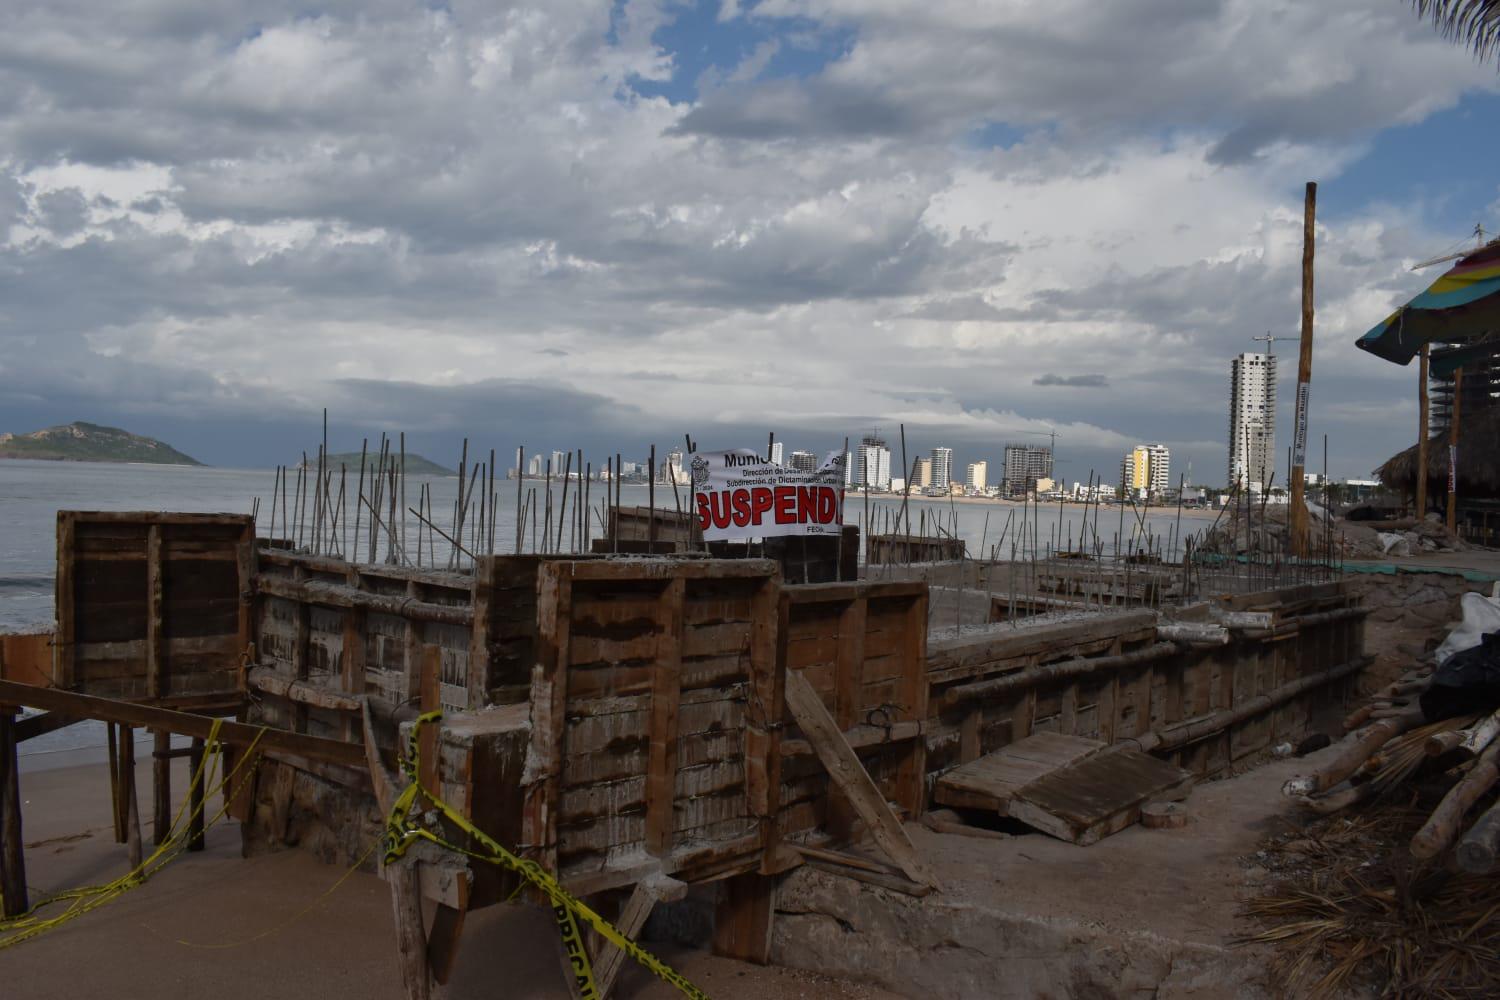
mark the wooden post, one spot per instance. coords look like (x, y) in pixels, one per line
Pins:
(1298, 514)
(112, 739)
(13, 901)
(195, 802)
(666, 693)
(161, 785)
(129, 811)
(155, 682)
(1453, 417)
(1422, 435)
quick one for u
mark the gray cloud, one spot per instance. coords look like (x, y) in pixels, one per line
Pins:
(1076, 381)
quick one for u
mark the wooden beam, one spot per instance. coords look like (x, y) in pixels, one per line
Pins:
(67, 620)
(13, 899)
(267, 679)
(33, 726)
(666, 693)
(338, 595)
(846, 771)
(242, 734)
(155, 655)
(411, 939)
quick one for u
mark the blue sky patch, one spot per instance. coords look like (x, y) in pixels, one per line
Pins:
(700, 44)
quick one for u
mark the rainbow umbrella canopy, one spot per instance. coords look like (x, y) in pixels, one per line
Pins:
(1461, 307)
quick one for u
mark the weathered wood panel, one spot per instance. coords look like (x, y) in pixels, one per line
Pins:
(151, 605)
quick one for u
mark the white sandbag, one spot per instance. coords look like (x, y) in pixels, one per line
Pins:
(1394, 544)
(1480, 615)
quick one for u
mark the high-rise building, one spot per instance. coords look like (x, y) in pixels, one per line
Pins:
(776, 452)
(977, 475)
(923, 473)
(1252, 420)
(848, 469)
(534, 468)
(874, 464)
(672, 470)
(804, 461)
(1024, 465)
(559, 462)
(1147, 470)
(942, 467)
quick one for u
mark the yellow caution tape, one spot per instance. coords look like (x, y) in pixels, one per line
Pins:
(88, 898)
(403, 829)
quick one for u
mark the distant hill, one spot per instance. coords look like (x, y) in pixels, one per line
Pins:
(416, 465)
(82, 442)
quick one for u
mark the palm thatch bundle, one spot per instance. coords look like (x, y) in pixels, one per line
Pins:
(1478, 459)
(1350, 910)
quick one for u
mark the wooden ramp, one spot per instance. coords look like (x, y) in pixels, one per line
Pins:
(1064, 785)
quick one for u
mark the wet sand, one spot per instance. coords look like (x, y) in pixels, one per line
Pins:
(218, 925)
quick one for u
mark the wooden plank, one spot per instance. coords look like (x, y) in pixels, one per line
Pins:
(83, 706)
(479, 635)
(845, 769)
(763, 712)
(661, 772)
(1096, 796)
(992, 781)
(743, 920)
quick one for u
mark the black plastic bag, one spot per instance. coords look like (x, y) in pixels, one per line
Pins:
(1467, 683)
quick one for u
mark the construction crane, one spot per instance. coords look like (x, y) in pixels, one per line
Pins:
(1478, 234)
(1270, 350)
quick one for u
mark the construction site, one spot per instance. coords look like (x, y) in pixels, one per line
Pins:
(651, 764)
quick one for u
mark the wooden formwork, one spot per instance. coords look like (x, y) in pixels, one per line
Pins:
(1110, 676)
(152, 606)
(862, 647)
(968, 719)
(653, 708)
(892, 549)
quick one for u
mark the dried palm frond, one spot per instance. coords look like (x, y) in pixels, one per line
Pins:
(1401, 757)
(1355, 911)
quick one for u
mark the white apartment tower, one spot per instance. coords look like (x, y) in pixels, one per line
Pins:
(942, 467)
(874, 464)
(978, 476)
(1252, 420)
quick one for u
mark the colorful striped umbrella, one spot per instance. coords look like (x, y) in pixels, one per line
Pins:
(1460, 307)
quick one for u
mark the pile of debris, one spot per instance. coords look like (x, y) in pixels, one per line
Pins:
(1397, 873)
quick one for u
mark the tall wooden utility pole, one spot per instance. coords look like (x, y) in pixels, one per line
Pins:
(1297, 522)
(1453, 415)
(1422, 437)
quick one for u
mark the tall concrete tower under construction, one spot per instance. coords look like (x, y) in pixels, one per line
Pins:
(1252, 421)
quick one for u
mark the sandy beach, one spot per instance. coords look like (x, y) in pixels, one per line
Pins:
(216, 924)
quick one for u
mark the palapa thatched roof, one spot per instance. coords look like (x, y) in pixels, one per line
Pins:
(1478, 459)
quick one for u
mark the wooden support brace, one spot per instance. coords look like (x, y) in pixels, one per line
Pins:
(195, 800)
(646, 894)
(846, 771)
(128, 807)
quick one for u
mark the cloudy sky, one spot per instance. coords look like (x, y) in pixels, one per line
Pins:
(582, 224)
